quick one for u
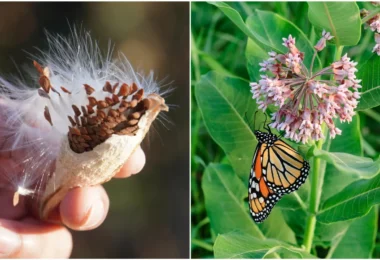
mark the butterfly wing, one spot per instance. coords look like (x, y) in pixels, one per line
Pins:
(284, 169)
(261, 198)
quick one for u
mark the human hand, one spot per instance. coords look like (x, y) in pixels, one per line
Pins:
(22, 236)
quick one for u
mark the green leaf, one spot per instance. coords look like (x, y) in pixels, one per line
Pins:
(223, 102)
(369, 73)
(224, 198)
(326, 235)
(354, 201)
(242, 245)
(254, 55)
(215, 65)
(275, 227)
(341, 19)
(234, 16)
(335, 180)
(269, 29)
(350, 164)
(359, 238)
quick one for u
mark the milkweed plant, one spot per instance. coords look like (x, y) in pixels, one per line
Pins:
(311, 72)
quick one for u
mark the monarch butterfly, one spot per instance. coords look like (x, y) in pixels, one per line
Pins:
(277, 169)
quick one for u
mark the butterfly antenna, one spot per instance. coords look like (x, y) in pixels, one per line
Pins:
(266, 127)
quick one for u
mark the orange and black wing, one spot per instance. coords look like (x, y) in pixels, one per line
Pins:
(261, 198)
(284, 169)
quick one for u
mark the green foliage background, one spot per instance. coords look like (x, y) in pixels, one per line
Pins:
(228, 41)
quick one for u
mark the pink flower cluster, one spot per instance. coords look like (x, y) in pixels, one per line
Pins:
(374, 25)
(305, 99)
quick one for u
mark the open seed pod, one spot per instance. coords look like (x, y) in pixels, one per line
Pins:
(102, 133)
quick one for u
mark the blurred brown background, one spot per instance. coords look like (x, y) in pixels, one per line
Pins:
(149, 214)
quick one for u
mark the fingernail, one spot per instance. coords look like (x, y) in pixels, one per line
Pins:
(94, 215)
(9, 242)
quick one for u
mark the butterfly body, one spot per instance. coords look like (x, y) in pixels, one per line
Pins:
(277, 169)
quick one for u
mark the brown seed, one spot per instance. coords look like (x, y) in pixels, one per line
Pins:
(91, 121)
(109, 101)
(134, 88)
(132, 129)
(90, 130)
(102, 104)
(124, 104)
(138, 95)
(133, 103)
(84, 145)
(83, 130)
(115, 99)
(133, 122)
(87, 137)
(101, 114)
(92, 101)
(71, 121)
(75, 139)
(109, 125)
(122, 117)
(113, 113)
(121, 109)
(125, 132)
(102, 133)
(45, 83)
(110, 119)
(109, 131)
(47, 115)
(65, 90)
(74, 131)
(124, 90)
(95, 138)
(38, 67)
(107, 87)
(135, 115)
(83, 121)
(90, 110)
(89, 89)
(84, 110)
(76, 110)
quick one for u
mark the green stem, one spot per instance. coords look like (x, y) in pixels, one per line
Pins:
(338, 53)
(314, 201)
(202, 244)
(317, 177)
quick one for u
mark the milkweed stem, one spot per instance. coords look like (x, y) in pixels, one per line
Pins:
(317, 177)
